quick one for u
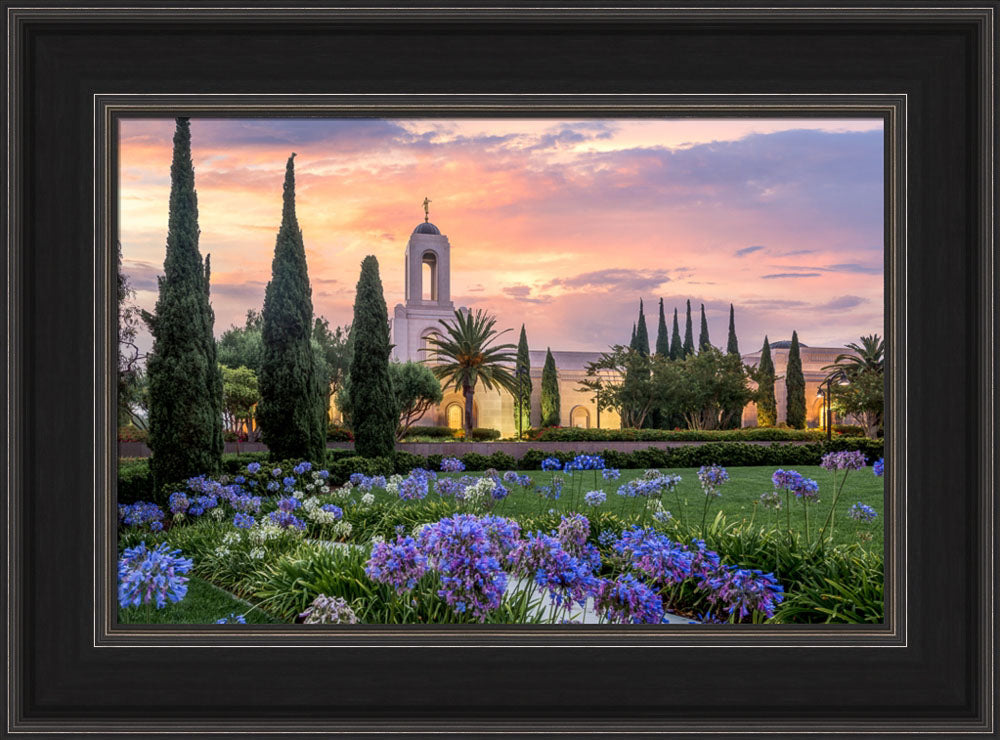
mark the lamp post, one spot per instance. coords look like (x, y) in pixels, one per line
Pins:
(827, 400)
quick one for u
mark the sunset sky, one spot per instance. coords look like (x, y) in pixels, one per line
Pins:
(560, 224)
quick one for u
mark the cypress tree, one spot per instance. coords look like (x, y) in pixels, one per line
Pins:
(373, 416)
(734, 415)
(795, 386)
(688, 333)
(185, 383)
(289, 408)
(641, 335)
(767, 407)
(703, 340)
(522, 374)
(631, 342)
(662, 337)
(550, 392)
(676, 350)
(733, 345)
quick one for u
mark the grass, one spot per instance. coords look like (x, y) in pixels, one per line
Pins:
(739, 500)
(204, 604)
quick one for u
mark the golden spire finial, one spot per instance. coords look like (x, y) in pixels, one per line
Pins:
(427, 213)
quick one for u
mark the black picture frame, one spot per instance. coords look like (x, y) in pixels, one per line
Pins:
(928, 70)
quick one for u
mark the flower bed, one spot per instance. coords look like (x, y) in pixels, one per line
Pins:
(442, 547)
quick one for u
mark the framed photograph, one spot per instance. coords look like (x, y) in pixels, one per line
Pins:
(501, 370)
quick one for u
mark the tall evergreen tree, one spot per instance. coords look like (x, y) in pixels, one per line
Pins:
(374, 416)
(641, 334)
(550, 391)
(732, 345)
(795, 386)
(767, 406)
(290, 413)
(631, 342)
(662, 336)
(733, 418)
(688, 333)
(703, 341)
(676, 350)
(185, 384)
(522, 377)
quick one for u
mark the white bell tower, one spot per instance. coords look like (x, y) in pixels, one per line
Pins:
(428, 291)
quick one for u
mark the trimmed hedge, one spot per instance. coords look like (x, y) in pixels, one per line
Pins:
(135, 482)
(750, 434)
(443, 432)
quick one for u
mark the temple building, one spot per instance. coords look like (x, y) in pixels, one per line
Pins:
(427, 300)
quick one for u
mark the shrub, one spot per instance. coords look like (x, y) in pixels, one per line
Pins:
(135, 482)
(237, 463)
(750, 434)
(443, 432)
(336, 433)
(404, 462)
(502, 461)
(344, 468)
(481, 434)
(132, 433)
(475, 461)
(849, 430)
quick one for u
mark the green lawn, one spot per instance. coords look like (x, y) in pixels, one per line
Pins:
(740, 497)
(204, 604)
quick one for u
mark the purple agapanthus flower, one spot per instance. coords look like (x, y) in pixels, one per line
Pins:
(626, 600)
(399, 564)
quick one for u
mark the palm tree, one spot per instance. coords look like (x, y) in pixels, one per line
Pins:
(868, 356)
(464, 358)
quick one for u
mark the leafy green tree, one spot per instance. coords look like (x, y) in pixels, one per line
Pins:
(522, 395)
(465, 356)
(550, 392)
(334, 350)
(688, 333)
(662, 335)
(676, 349)
(289, 410)
(703, 341)
(703, 387)
(625, 380)
(374, 416)
(415, 391)
(795, 386)
(767, 406)
(242, 346)
(130, 358)
(240, 393)
(185, 386)
(862, 395)
(858, 382)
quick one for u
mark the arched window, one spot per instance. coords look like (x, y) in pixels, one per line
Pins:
(579, 417)
(429, 277)
(455, 413)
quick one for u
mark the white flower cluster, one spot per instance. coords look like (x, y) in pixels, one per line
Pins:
(341, 494)
(341, 529)
(317, 483)
(368, 499)
(314, 511)
(264, 531)
(480, 493)
(392, 485)
(217, 514)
